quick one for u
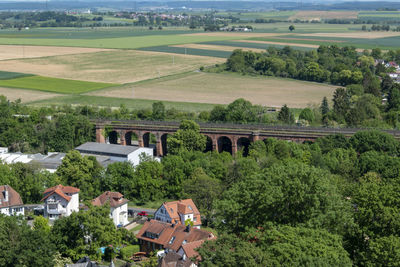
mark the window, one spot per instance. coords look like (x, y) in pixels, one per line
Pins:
(190, 207)
(172, 240)
(194, 218)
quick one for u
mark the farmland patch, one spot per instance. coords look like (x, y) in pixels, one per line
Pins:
(53, 84)
(225, 88)
(116, 66)
(19, 51)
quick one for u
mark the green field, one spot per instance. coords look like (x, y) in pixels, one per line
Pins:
(5, 75)
(99, 101)
(254, 45)
(379, 15)
(277, 15)
(118, 42)
(187, 51)
(53, 84)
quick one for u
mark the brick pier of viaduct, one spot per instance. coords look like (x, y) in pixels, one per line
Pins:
(220, 137)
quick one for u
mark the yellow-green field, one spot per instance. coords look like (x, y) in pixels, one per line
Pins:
(224, 88)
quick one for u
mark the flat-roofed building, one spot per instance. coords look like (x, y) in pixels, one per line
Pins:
(115, 152)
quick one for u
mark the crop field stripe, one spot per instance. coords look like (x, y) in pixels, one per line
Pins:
(54, 85)
(6, 75)
(253, 45)
(118, 43)
(100, 101)
(388, 42)
(188, 51)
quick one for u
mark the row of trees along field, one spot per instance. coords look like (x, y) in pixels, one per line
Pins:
(332, 202)
(30, 130)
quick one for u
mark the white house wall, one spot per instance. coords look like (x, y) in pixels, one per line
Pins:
(134, 157)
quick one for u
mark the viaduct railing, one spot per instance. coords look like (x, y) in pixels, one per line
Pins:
(221, 136)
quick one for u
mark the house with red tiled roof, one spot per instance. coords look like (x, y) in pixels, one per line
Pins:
(60, 201)
(10, 201)
(156, 235)
(178, 212)
(118, 206)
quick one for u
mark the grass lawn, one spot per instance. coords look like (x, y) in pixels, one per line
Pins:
(53, 84)
(150, 204)
(135, 104)
(136, 228)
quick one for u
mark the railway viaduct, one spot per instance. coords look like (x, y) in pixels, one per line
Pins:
(220, 137)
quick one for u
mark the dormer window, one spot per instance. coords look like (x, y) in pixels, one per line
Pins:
(190, 207)
(172, 240)
(171, 210)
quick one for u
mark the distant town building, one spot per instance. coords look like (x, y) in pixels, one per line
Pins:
(60, 201)
(118, 206)
(178, 212)
(10, 201)
(115, 152)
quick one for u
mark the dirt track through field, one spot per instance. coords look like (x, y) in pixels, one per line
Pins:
(114, 66)
(225, 88)
(26, 51)
(25, 95)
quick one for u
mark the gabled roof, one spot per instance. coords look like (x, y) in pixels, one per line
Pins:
(60, 190)
(64, 189)
(171, 236)
(115, 199)
(186, 206)
(14, 199)
(189, 248)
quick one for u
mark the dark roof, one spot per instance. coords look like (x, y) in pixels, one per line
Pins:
(14, 199)
(106, 149)
(115, 199)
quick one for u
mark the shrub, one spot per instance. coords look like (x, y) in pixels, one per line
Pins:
(128, 251)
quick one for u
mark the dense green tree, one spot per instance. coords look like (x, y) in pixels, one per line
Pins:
(158, 113)
(298, 246)
(148, 183)
(364, 141)
(204, 190)
(394, 99)
(83, 233)
(291, 28)
(82, 172)
(218, 114)
(291, 193)
(383, 251)
(285, 115)
(240, 111)
(341, 102)
(188, 138)
(21, 246)
(229, 250)
(307, 115)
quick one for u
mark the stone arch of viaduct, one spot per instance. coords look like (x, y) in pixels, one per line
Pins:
(222, 137)
(215, 141)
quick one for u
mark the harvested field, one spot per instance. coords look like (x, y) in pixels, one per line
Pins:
(362, 35)
(320, 15)
(26, 51)
(218, 47)
(25, 95)
(225, 88)
(115, 66)
(280, 43)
